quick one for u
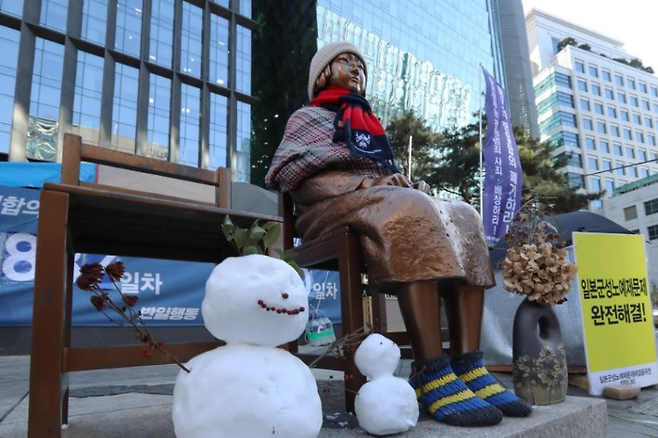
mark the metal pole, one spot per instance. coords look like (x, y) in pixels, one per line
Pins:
(481, 148)
(411, 138)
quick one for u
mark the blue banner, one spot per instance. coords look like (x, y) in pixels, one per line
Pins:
(170, 292)
(503, 177)
(19, 174)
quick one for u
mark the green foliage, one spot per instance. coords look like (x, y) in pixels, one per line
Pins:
(568, 41)
(258, 239)
(423, 155)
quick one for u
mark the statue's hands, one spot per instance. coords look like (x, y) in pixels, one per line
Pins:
(397, 179)
(422, 186)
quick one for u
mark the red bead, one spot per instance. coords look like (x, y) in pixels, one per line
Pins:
(301, 309)
(260, 302)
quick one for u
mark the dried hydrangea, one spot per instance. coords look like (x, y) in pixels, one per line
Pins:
(536, 263)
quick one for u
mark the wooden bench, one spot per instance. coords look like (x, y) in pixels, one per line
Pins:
(79, 217)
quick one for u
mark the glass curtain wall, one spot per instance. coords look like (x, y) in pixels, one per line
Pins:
(9, 48)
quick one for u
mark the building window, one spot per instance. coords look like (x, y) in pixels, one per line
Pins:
(630, 213)
(576, 180)
(620, 169)
(625, 116)
(124, 111)
(639, 137)
(594, 185)
(564, 138)
(53, 14)
(587, 123)
(598, 108)
(218, 123)
(603, 146)
(219, 50)
(653, 156)
(642, 155)
(645, 105)
(612, 112)
(621, 96)
(87, 99)
(590, 143)
(648, 121)
(43, 123)
(619, 80)
(600, 127)
(580, 67)
(637, 119)
(129, 27)
(162, 33)
(244, 142)
(643, 87)
(245, 8)
(614, 130)
(584, 104)
(644, 172)
(655, 107)
(597, 204)
(606, 75)
(190, 122)
(631, 83)
(593, 71)
(94, 21)
(558, 119)
(609, 94)
(609, 187)
(635, 102)
(12, 7)
(158, 117)
(582, 85)
(654, 91)
(190, 62)
(606, 164)
(243, 61)
(592, 163)
(632, 172)
(651, 207)
(9, 47)
(630, 152)
(628, 135)
(651, 139)
(596, 89)
(653, 232)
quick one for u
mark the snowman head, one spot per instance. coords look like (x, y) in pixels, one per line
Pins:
(377, 356)
(255, 300)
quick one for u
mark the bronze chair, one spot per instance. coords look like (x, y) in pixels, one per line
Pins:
(91, 218)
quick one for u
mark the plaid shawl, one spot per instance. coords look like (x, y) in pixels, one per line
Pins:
(307, 147)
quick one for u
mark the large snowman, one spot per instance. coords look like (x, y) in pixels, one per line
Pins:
(249, 388)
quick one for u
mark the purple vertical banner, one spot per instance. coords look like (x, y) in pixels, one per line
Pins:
(503, 176)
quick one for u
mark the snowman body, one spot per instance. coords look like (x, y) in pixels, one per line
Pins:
(249, 388)
(387, 404)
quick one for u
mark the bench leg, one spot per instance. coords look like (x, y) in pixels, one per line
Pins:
(349, 263)
(48, 384)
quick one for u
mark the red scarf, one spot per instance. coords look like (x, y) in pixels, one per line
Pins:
(357, 126)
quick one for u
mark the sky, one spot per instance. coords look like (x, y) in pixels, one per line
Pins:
(634, 22)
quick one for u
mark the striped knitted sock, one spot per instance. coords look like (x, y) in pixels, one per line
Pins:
(447, 398)
(470, 369)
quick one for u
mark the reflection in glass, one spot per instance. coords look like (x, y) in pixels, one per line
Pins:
(124, 110)
(244, 142)
(129, 26)
(219, 51)
(87, 100)
(218, 131)
(158, 118)
(162, 33)
(221, 2)
(44, 100)
(190, 125)
(13, 7)
(243, 60)
(9, 48)
(94, 20)
(245, 8)
(190, 62)
(53, 14)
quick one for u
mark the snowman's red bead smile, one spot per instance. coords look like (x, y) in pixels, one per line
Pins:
(280, 310)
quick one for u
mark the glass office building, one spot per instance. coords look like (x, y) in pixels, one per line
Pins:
(422, 55)
(169, 79)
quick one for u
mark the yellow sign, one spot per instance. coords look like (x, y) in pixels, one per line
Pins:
(616, 307)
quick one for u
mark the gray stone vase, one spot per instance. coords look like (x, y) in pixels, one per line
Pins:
(540, 362)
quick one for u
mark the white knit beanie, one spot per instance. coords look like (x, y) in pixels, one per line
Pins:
(325, 55)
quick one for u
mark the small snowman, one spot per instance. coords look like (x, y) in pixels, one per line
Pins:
(386, 404)
(249, 388)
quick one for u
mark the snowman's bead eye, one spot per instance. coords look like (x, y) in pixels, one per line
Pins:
(285, 295)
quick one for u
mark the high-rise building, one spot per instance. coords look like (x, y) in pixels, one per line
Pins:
(169, 79)
(596, 104)
(423, 56)
(518, 73)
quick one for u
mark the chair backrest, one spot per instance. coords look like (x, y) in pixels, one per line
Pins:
(76, 152)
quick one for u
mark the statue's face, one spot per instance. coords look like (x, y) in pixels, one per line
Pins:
(347, 71)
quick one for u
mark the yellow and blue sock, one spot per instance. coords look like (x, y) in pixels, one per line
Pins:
(447, 398)
(470, 369)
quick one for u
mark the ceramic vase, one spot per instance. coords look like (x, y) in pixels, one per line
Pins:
(540, 363)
